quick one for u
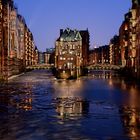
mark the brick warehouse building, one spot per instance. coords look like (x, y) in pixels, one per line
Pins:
(17, 45)
(130, 40)
(71, 52)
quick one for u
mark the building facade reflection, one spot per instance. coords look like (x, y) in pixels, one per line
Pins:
(68, 88)
(70, 107)
(22, 100)
(129, 109)
(69, 98)
(102, 74)
(131, 121)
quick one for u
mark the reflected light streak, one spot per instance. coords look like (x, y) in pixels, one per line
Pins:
(65, 88)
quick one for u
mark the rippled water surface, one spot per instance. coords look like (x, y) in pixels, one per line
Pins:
(36, 106)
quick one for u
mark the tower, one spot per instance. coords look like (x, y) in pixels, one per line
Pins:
(135, 3)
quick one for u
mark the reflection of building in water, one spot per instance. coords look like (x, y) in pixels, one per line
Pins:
(103, 74)
(68, 88)
(72, 107)
(22, 100)
(130, 112)
(69, 95)
(132, 96)
(26, 103)
(131, 122)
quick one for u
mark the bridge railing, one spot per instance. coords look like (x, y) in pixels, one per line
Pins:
(104, 67)
(39, 67)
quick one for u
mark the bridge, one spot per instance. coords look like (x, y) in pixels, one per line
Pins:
(40, 66)
(104, 67)
(90, 67)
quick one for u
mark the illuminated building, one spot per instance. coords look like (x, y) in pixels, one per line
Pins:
(16, 45)
(29, 47)
(6, 6)
(99, 55)
(95, 56)
(129, 39)
(70, 53)
(138, 41)
(115, 53)
(105, 54)
(1, 40)
(20, 30)
(41, 57)
(132, 39)
(85, 46)
(36, 56)
(49, 56)
(123, 35)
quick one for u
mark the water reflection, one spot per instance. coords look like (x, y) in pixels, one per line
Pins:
(102, 74)
(38, 106)
(127, 98)
(21, 98)
(129, 108)
(69, 98)
(129, 89)
(131, 121)
(15, 96)
(68, 88)
(67, 107)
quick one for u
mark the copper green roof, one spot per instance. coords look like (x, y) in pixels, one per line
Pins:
(70, 35)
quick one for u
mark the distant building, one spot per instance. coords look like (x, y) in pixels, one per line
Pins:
(99, 55)
(49, 56)
(36, 56)
(105, 54)
(41, 57)
(85, 46)
(46, 57)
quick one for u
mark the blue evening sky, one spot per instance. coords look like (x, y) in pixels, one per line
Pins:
(45, 18)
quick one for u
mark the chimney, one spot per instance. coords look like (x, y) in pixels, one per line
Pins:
(61, 32)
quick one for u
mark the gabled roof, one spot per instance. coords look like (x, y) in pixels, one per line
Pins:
(70, 35)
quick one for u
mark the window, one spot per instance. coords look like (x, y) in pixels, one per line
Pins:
(73, 46)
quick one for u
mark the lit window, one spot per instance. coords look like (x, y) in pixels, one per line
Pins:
(73, 46)
(71, 52)
(63, 52)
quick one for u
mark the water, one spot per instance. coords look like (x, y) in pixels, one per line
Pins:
(100, 106)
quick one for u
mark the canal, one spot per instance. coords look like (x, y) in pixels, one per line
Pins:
(100, 106)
